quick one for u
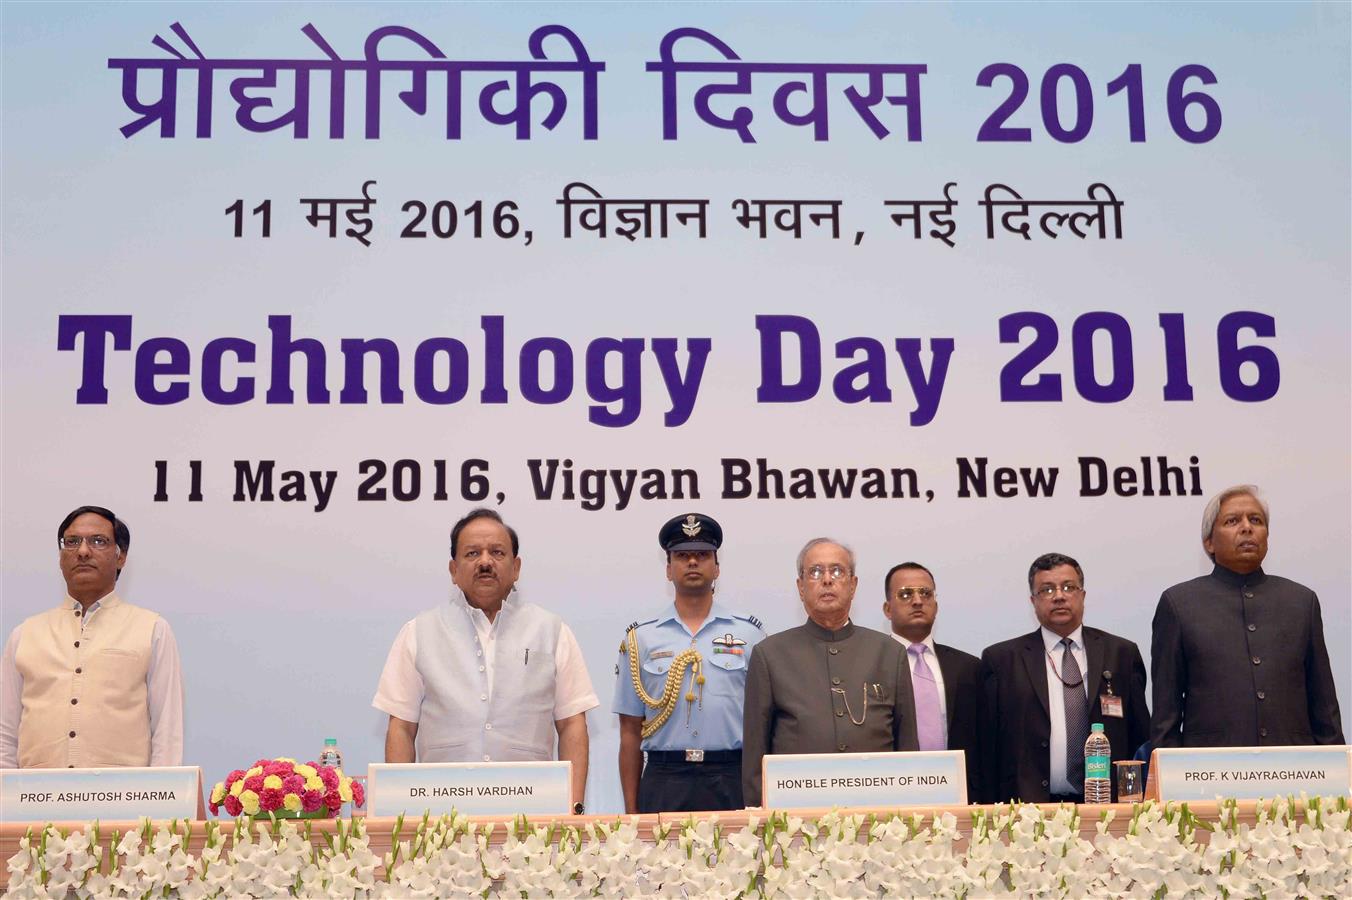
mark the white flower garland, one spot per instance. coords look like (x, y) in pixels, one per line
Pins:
(1294, 849)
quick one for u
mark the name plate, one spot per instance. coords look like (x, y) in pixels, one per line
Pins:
(64, 795)
(822, 780)
(1251, 773)
(475, 789)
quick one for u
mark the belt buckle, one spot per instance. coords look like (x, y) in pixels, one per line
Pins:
(694, 756)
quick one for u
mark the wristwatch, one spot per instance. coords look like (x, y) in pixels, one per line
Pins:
(578, 808)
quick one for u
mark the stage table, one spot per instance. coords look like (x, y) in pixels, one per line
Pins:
(381, 831)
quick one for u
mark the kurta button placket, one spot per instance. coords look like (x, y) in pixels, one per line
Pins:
(72, 749)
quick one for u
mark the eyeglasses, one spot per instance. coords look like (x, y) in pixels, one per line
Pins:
(72, 542)
(835, 570)
(911, 593)
(1048, 591)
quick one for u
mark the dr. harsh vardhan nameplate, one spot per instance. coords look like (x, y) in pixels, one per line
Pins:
(822, 780)
(475, 789)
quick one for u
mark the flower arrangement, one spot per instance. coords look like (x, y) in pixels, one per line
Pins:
(285, 788)
(1294, 849)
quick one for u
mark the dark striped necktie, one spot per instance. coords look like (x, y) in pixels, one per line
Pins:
(1077, 716)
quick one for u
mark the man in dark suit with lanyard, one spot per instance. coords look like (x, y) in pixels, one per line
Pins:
(1043, 690)
(946, 681)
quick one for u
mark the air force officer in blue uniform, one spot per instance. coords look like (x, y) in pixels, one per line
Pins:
(679, 685)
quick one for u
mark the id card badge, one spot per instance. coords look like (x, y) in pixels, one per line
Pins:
(1111, 705)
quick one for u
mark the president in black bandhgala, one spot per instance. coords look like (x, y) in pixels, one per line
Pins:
(829, 685)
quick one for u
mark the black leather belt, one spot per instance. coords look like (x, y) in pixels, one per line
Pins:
(695, 756)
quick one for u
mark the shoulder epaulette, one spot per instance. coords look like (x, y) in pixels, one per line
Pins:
(624, 642)
(752, 619)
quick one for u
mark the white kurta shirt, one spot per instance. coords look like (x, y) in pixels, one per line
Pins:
(400, 691)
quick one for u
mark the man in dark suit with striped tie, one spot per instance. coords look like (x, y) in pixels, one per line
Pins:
(1043, 690)
(946, 681)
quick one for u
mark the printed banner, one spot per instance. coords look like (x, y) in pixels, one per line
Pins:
(292, 287)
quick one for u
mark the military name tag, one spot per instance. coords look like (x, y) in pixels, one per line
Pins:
(475, 789)
(823, 780)
(1251, 773)
(63, 795)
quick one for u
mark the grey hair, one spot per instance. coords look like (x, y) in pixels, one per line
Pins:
(802, 554)
(1213, 509)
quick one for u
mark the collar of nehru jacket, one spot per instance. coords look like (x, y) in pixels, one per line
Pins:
(107, 601)
(826, 634)
(1234, 579)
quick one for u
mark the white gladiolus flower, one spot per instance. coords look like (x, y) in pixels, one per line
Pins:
(1291, 850)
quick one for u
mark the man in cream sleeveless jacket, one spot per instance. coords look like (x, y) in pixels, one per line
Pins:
(95, 681)
(486, 677)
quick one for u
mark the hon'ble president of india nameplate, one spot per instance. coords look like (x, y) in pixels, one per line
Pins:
(475, 789)
(1252, 773)
(823, 780)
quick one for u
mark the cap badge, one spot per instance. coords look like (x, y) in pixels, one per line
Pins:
(691, 526)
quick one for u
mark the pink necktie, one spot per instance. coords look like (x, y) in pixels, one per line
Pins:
(929, 722)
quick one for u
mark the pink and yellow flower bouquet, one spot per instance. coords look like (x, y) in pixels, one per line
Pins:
(285, 788)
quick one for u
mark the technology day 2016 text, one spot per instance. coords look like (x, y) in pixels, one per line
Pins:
(792, 358)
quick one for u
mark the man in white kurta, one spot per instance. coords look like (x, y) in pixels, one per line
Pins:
(487, 676)
(95, 681)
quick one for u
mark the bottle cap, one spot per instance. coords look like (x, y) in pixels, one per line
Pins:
(1097, 727)
(333, 742)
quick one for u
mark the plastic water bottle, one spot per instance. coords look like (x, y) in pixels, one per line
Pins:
(332, 756)
(1098, 764)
